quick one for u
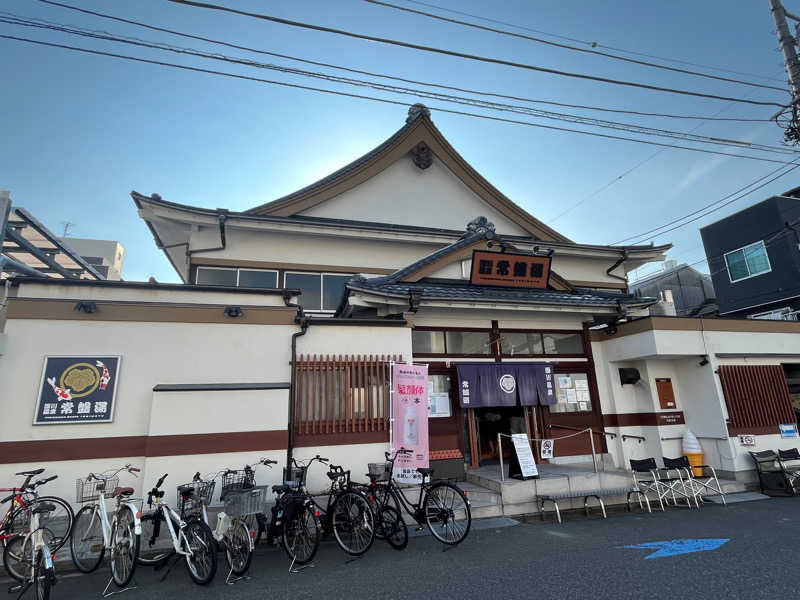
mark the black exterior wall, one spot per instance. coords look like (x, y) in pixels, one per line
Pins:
(765, 221)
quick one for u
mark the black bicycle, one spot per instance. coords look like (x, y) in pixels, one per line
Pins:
(441, 505)
(347, 514)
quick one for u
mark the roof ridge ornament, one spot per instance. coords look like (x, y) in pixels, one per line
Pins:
(481, 225)
(416, 111)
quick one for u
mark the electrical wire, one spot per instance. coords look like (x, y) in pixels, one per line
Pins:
(593, 44)
(465, 55)
(574, 48)
(394, 78)
(40, 23)
(385, 100)
(718, 204)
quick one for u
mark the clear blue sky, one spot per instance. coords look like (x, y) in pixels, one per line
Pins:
(80, 132)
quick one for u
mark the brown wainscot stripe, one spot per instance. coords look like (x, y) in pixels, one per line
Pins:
(760, 430)
(652, 419)
(51, 309)
(340, 439)
(161, 445)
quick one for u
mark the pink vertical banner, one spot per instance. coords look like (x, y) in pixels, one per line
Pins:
(410, 420)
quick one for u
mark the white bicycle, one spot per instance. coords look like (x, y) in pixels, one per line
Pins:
(94, 533)
(35, 558)
(191, 539)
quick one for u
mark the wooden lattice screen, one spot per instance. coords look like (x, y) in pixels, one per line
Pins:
(757, 398)
(344, 394)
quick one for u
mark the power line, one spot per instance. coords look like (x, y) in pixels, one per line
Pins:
(384, 100)
(15, 20)
(718, 204)
(394, 78)
(574, 48)
(627, 172)
(593, 44)
(475, 57)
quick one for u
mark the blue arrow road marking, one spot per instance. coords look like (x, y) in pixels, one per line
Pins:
(682, 546)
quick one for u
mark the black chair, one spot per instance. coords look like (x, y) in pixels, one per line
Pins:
(660, 481)
(772, 477)
(790, 462)
(697, 484)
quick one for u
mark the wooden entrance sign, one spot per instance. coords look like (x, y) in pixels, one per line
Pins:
(509, 270)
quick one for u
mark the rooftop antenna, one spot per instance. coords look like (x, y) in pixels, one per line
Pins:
(67, 225)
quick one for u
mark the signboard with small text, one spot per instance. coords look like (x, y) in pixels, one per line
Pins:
(77, 389)
(522, 465)
(509, 270)
(788, 430)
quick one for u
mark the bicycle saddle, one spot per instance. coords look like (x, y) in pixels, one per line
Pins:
(122, 491)
(424, 471)
(31, 473)
(43, 507)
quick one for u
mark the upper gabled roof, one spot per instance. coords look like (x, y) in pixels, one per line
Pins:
(418, 129)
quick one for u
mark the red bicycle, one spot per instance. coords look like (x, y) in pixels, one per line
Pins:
(56, 522)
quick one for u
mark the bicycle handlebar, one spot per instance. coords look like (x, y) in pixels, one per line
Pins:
(390, 458)
(161, 481)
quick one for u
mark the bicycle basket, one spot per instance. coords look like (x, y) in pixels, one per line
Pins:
(240, 503)
(380, 471)
(87, 490)
(192, 496)
(237, 480)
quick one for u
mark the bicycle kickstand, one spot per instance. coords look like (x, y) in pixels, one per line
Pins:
(132, 586)
(231, 581)
(21, 588)
(300, 568)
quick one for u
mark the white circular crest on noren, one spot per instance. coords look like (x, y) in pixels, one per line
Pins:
(508, 384)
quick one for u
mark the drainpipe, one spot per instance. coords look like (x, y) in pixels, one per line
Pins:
(622, 259)
(222, 216)
(303, 321)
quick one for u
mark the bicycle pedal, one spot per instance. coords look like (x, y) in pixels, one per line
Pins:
(419, 528)
(13, 589)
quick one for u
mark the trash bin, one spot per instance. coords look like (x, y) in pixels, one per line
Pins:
(693, 451)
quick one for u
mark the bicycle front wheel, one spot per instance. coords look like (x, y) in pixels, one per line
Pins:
(155, 543)
(124, 547)
(57, 523)
(238, 547)
(353, 523)
(86, 544)
(301, 535)
(447, 513)
(201, 557)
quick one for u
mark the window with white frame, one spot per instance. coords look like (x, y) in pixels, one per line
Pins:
(747, 262)
(321, 292)
(232, 277)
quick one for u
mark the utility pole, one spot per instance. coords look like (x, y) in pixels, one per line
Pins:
(788, 43)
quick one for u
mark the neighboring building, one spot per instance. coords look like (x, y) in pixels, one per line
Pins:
(754, 259)
(279, 342)
(688, 290)
(104, 255)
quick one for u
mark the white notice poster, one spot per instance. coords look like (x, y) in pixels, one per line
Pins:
(581, 384)
(439, 404)
(524, 455)
(547, 448)
(572, 396)
(583, 395)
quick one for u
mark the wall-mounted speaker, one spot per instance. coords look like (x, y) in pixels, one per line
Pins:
(629, 376)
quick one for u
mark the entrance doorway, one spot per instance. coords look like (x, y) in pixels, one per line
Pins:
(492, 421)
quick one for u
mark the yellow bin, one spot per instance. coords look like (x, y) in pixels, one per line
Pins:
(696, 458)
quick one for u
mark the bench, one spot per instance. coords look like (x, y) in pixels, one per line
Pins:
(586, 494)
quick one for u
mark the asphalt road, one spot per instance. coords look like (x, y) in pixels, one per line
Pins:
(583, 558)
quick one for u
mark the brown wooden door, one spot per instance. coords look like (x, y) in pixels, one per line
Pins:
(446, 433)
(578, 407)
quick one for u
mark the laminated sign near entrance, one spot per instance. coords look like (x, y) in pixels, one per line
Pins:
(522, 465)
(547, 448)
(410, 420)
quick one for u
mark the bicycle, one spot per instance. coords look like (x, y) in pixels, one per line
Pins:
(35, 556)
(94, 534)
(294, 520)
(191, 539)
(441, 505)
(57, 522)
(347, 515)
(232, 531)
(16, 520)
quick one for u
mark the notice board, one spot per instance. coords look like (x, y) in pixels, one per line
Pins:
(522, 465)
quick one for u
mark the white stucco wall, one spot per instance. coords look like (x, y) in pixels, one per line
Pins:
(407, 195)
